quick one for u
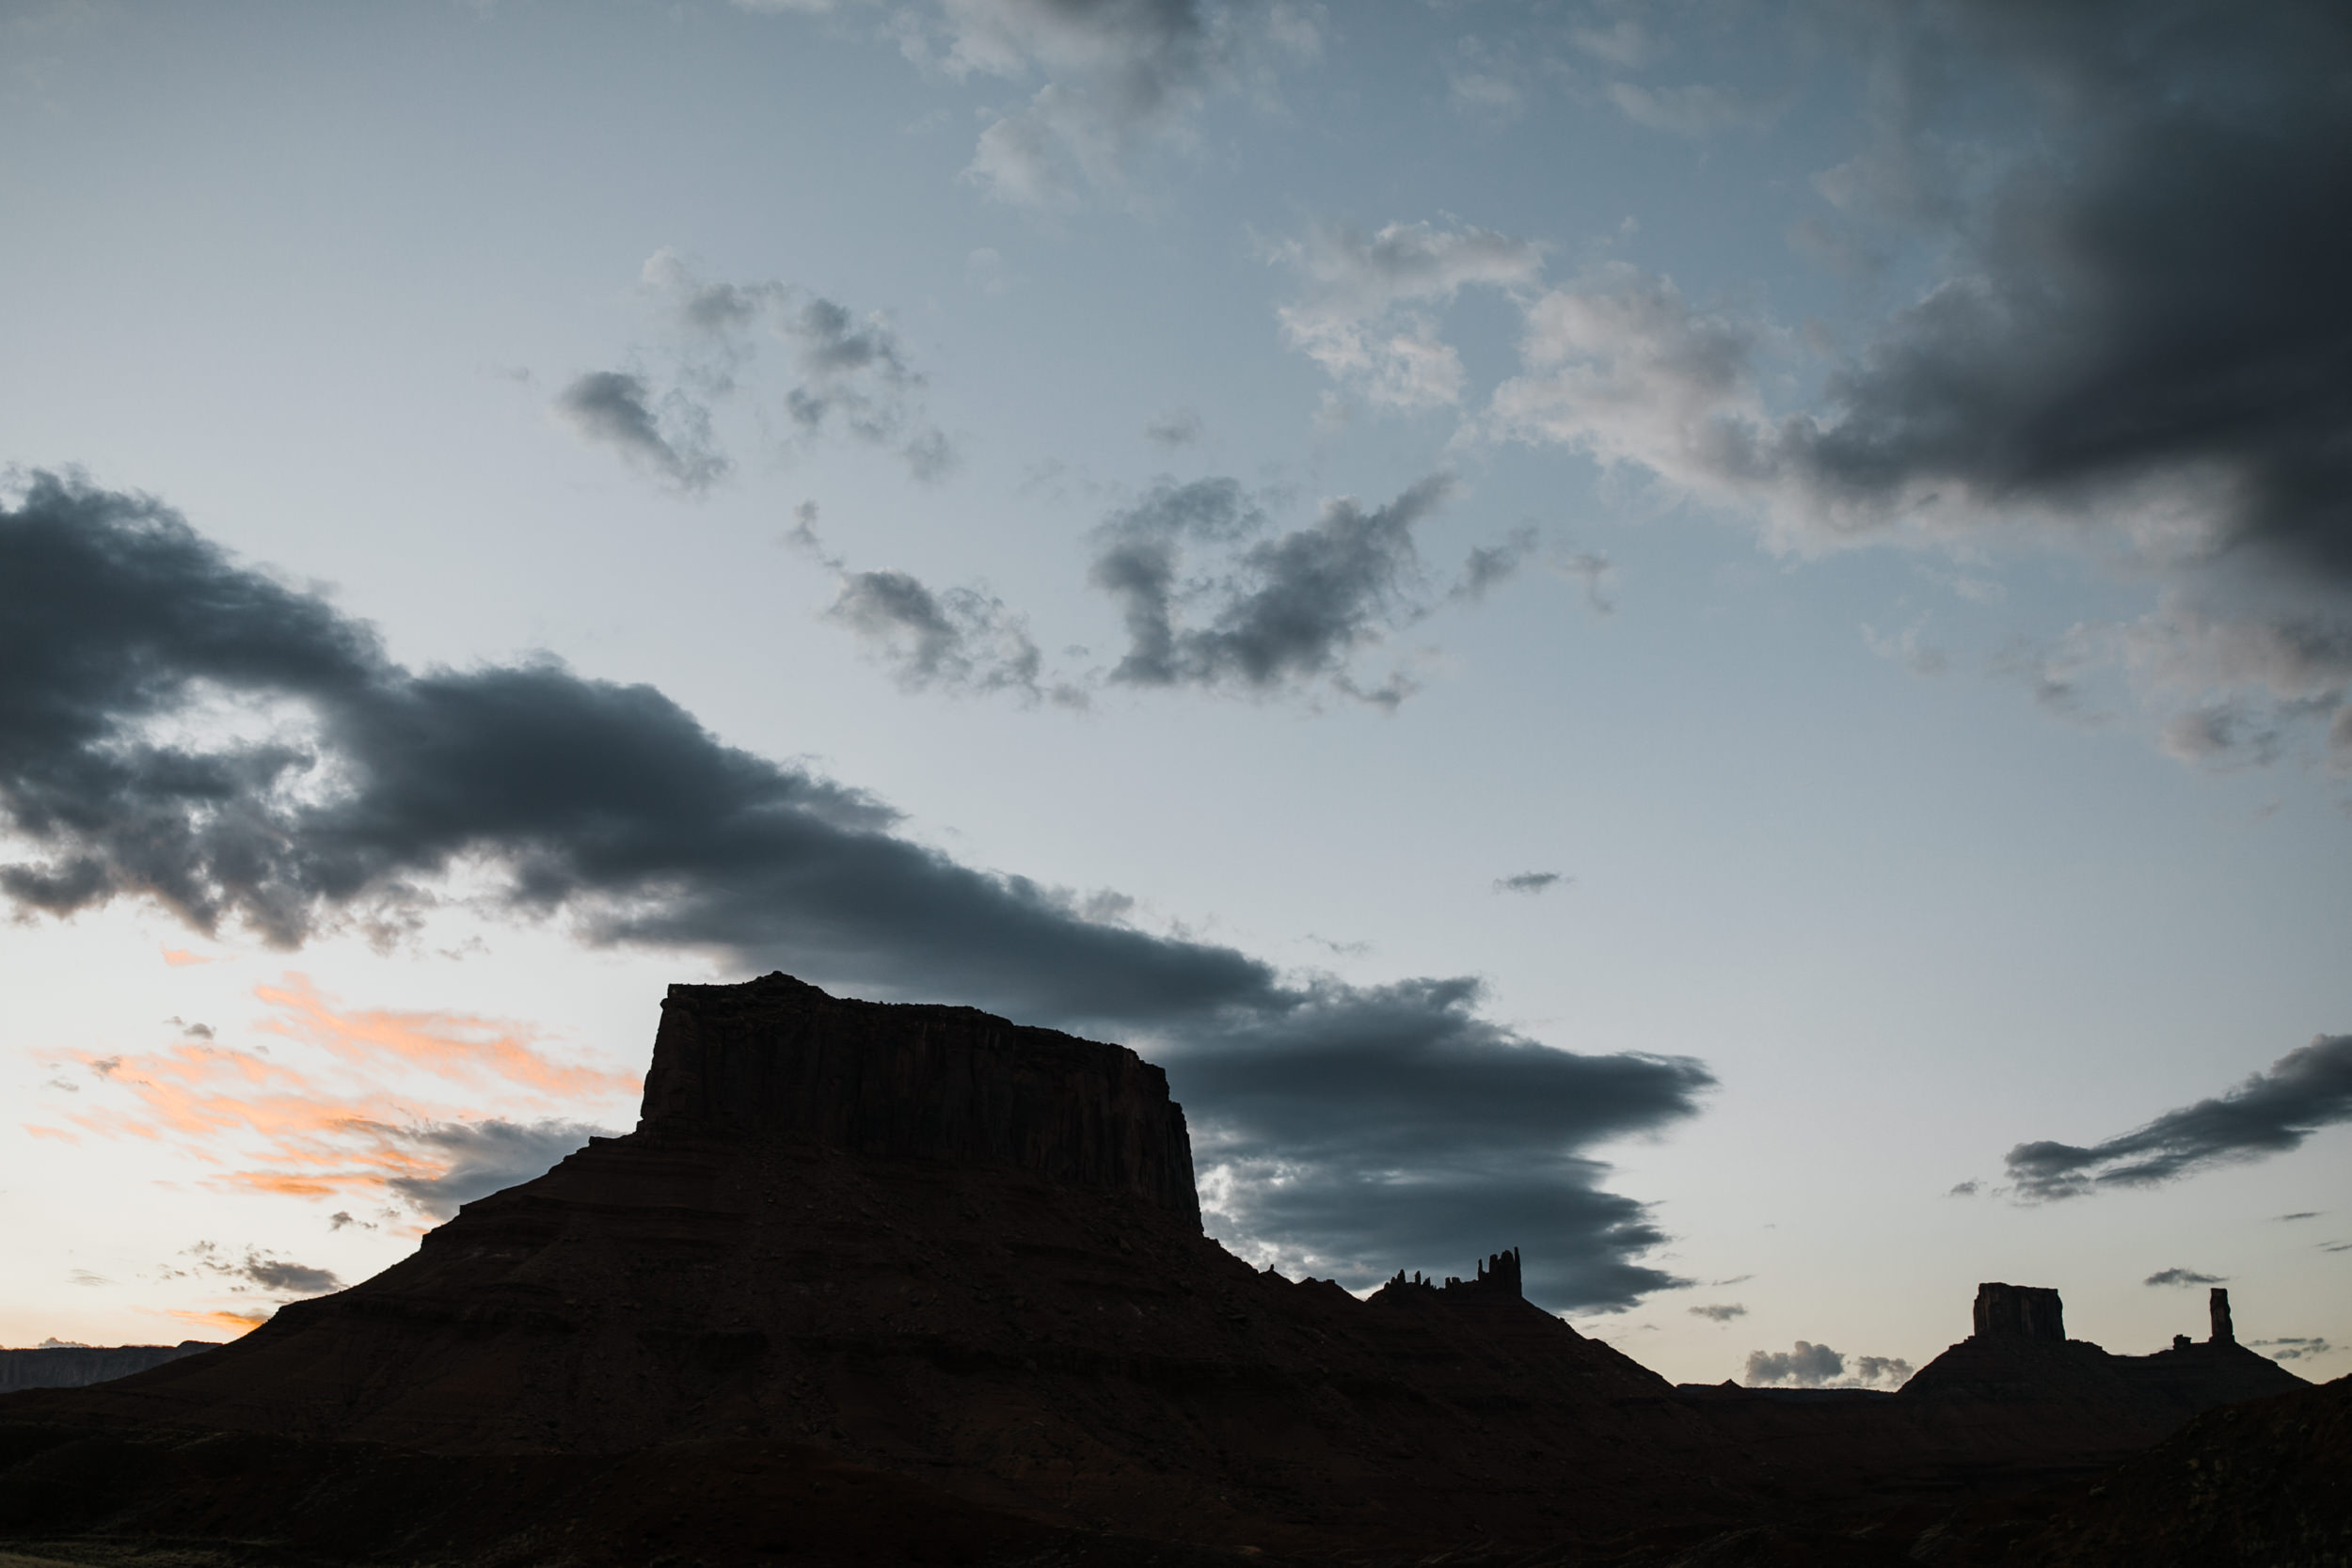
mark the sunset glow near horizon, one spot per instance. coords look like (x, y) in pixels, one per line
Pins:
(1711, 640)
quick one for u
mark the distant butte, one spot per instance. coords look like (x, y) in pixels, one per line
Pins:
(920, 1274)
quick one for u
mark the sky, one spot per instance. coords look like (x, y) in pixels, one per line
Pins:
(1711, 639)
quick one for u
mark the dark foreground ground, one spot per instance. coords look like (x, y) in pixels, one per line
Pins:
(2265, 1485)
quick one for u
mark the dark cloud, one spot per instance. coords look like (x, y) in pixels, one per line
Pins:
(616, 409)
(1354, 1126)
(2268, 1113)
(1962, 1189)
(854, 375)
(2182, 1278)
(485, 1156)
(260, 1269)
(342, 1217)
(1721, 1314)
(1283, 612)
(2299, 1214)
(2292, 1347)
(957, 638)
(1374, 1125)
(1530, 882)
(2140, 340)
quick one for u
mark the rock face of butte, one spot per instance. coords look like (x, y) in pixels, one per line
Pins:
(943, 1248)
(930, 1239)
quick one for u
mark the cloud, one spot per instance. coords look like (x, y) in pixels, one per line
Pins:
(616, 409)
(850, 376)
(232, 1323)
(2292, 1347)
(342, 1217)
(1283, 612)
(259, 1268)
(956, 639)
(2299, 1214)
(2182, 1277)
(456, 1046)
(85, 1276)
(1694, 109)
(1721, 1314)
(1177, 427)
(1363, 319)
(351, 786)
(484, 1157)
(1963, 1189)
(1530, 882)
(2270, 1112)
(2131, 347)
(1119, 77)
(1811, 1366)
(180, 958)
(1353, 1128)
(1808, 1366)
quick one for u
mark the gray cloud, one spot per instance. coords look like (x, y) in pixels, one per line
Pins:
(2270, 1112)
(1376, 1125)
(1530, 882)
(851, 376)
(2299, 1214)
(261, 1268)
(342, 1217)
(1811, 1366)
(1283, 612)
(485, 1156)
(2292, 1347)
(616, 409)
(1808, 1366)
(2182, 1278)
(1721, 1314)
(1962, 1189)
(1366, 318)
(1177, 427)
(2138, 346)
(957, 640)
(1119, 77)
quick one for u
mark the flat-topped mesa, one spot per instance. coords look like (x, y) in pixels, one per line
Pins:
(2222, 1333)
(2020, 1312)
(774, 1056)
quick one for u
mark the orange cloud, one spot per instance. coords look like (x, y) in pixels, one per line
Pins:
(180, 958)
(456, 1046)
(57, 1132)
(231, 1324)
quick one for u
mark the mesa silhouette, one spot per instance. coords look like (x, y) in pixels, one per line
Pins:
(917, 1275)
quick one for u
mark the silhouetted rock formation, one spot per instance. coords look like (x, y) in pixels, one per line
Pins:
(928, 1239)
(2020, 1312)
(79, 1366)
(776, 1056)
(2218, 1305)
(1498, 1280)
(959, 1264)
(2019, 1358)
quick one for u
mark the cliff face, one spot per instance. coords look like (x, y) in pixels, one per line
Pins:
(778, 1057)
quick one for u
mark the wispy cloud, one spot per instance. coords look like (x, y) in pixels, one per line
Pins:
(2270, 1113)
